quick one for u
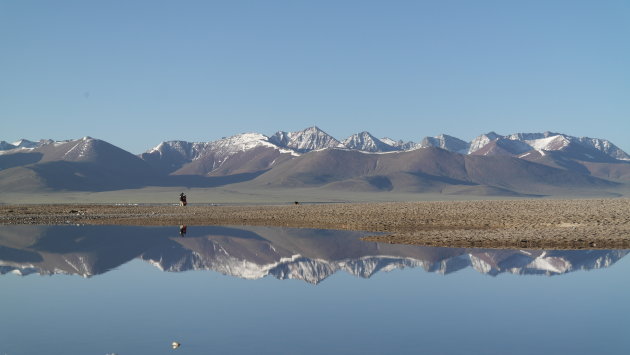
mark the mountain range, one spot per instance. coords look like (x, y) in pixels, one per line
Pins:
(520, 164)
(257, 252)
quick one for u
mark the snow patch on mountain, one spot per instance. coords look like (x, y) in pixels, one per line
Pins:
(81, 149)
(222, 147)
(241, 143)
(171, 156)
(557, 142)
(530, 136)
(389, 141)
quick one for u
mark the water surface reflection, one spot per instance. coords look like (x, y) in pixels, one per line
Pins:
(255, 252)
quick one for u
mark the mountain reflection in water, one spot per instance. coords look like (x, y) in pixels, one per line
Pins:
(255, 252)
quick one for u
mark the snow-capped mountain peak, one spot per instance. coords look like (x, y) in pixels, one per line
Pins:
(306, 140)
(549, 141)
(237, 143)
(79, 149)
(446, 142)
(605, 147)
(244, 141)
(247, 141)
(366, 142)
(181, 149)
(482, 140)
(25, 143)
(400, 144)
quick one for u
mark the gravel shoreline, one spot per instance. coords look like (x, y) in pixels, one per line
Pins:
(531, 224)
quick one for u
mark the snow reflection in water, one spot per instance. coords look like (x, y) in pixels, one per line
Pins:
(134, 308)
(255, 252)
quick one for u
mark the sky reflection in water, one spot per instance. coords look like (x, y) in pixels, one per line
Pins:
(137, 309)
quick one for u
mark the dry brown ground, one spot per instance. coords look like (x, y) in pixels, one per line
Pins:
(563, 224)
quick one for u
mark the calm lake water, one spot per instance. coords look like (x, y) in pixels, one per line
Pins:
(261, 290)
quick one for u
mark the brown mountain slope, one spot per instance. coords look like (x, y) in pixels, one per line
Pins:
(422, 170)
(527, 177)
(249, 161)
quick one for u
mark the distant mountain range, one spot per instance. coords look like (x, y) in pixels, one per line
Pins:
(257, 252)
(491, 164)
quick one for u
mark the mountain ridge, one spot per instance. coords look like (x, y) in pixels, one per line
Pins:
(515, 164)
(313, 138)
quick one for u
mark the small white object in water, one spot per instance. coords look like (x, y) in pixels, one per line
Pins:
(175, 345)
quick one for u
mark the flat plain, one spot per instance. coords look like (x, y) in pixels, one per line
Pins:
(529, 223)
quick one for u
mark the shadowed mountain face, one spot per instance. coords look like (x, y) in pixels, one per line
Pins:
(256, 252)
(86, 165)
(522, 164)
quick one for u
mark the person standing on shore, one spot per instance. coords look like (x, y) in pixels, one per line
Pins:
(182, 199)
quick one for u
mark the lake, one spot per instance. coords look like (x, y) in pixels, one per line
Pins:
(266, 290)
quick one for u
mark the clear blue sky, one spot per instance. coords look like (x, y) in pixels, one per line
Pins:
(136, 73)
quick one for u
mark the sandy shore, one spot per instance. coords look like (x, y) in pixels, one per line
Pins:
(553, 224)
